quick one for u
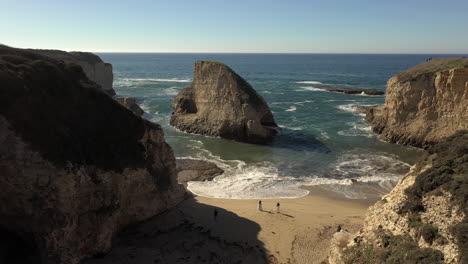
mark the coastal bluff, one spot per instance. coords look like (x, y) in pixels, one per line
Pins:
(423, 219)
(221, 103)
(75, 165)
(95, 69)
(424, 104)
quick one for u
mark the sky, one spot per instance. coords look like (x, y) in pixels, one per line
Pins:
(238, 26)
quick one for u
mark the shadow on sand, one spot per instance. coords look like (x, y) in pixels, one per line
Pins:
(189, 234)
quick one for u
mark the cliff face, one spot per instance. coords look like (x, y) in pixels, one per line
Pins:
(424, 218)
(424, 104)
(221, 103)
(95, 69)
(131, 104)
(75, 166)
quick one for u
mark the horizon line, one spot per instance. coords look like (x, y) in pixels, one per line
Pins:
(279, 53)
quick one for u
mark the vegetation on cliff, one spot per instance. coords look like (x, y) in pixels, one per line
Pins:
(449, 172)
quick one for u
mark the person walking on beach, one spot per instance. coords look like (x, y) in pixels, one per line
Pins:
(215, 214)
(260, 208)
(277, 207)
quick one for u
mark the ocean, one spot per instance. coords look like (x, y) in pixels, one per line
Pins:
(323, 141)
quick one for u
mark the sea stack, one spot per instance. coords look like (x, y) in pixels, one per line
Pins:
(221, 103)
(424, 104)
(75, 165)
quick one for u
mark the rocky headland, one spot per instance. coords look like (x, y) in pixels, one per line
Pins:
(75, 165)
(423, 219)
(425, 104)
(220, 103)
(95, 69)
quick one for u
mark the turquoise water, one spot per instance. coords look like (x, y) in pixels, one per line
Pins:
(322, 141)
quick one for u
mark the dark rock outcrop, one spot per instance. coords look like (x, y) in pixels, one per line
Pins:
(221, 103)
(75, 166)
(130, 103)
(424, 104)
(196, 170)
(352, 90)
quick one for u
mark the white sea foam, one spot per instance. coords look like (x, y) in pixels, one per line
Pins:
(359, 128)
(309, 88)
(262, 180)
(291, 109)
(310, 82)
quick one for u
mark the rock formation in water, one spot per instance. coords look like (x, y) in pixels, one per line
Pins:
(130, 103)
(221, 103)
(95, 69)
(196, 170)
(424, 104)
(352, 90)
(424, 218)
(75, 166)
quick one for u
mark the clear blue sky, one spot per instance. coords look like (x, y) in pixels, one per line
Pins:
(298, 26)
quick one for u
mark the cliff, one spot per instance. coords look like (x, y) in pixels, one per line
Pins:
(75, 165)
(424, 218)
(95, 69)
(221, 103)
(424, 104)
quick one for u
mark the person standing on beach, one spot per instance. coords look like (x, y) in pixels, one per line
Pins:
(277, 207)
(215, 214)
(260, 208)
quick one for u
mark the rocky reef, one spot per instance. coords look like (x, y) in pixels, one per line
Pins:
(424, 218)
(95, 69)
(352, 90)
(424, 104)
(75, 165)
(221, 103)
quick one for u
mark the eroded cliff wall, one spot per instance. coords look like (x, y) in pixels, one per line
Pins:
(424, 104)
(75, 165)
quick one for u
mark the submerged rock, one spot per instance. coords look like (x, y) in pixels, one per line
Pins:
(424, 104)
(196, 170)
(130, 103)
(221, 103)
(75, 166)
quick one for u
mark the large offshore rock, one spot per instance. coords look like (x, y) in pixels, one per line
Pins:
(75, 165)
(424, 104)
(221, 103)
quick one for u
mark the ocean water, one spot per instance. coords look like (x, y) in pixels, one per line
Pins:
(323, 141)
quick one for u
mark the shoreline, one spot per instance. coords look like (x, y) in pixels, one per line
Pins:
(300, 233)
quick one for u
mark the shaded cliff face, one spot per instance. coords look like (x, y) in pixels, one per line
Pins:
(424, 104)
(95, 69)
(221, 103)
(424, 218)
(75, 165)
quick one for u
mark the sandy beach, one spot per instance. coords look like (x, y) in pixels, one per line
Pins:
(300, 233)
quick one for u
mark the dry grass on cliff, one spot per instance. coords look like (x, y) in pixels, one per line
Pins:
(432, 66)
